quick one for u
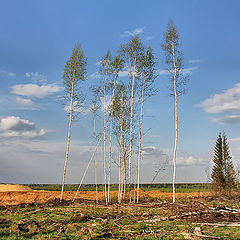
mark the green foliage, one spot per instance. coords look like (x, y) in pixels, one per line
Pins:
(223, 173)
(174, 59)
(74, 73)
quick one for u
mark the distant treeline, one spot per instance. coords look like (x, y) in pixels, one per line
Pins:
(165, 187)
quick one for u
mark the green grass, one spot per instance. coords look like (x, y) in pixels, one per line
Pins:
(165, 187)
(90, 221)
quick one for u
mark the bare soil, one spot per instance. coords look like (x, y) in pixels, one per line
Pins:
(10, 187)
(18, 194)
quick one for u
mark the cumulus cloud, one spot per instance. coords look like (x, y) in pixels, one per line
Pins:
(183, 158)
(24, 101)
(34, 90)
(136, 31)
(12, 126)
(77, 108)
(227, 101)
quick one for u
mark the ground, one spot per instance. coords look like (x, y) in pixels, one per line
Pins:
(40, 215)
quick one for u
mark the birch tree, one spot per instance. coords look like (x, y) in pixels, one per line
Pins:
(105, 70)
(174, 60)
(147, 76)
(121, 112)
(74, 74)
(116, 67)
(95, 107)
(132, 51)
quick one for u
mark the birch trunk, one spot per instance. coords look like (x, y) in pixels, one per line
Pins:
(176, 123)
(94, 135)
(131, 126)
(140, 142)
(68, 142)
(110, 140)
(104, 141)
(120, 166)
(124, 167)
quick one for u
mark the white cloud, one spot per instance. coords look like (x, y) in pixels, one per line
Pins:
(12, 126)
(34, 90)
(227, 119)
(77, 108)
(95, 75)
(123, 73)
(24, 101)
(162, 72)
(108, 103)
(11, 74)
(183, 158)
(188, 71)
(154, 136)
(185, 71)
(227, 101)
(148, 38)
(36, 77)
(136, 31)
(193, 61)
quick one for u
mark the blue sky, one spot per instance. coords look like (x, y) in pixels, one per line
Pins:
(37, 37)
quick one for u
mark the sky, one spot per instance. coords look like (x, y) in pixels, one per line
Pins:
(37, 38)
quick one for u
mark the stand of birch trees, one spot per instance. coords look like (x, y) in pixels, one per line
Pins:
(127, 81)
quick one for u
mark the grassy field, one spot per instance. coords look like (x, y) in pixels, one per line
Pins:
(157, 219)
(165, 187)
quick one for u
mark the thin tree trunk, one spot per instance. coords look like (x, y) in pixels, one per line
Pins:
(120, 165)
(68, 142)
(104, 141)
(124, 167)
(140, 141)
(130, 136)
(176, 124)
(94, 135)
(110, 139)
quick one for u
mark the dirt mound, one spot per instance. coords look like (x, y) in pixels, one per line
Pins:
(15, 188)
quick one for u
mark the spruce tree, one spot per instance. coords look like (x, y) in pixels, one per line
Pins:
(218, 179)
(223, 173)
(229, 172)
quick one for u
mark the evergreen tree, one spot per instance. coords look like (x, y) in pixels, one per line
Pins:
(218, 179)
(223, 173)
(229, 172)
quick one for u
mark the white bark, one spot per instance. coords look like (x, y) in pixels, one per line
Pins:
(140, 141)
(120, 166)
(68, 141)
(94, 135)
(131, 126)
(176, 123)
(104, 140)
(110, 139)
